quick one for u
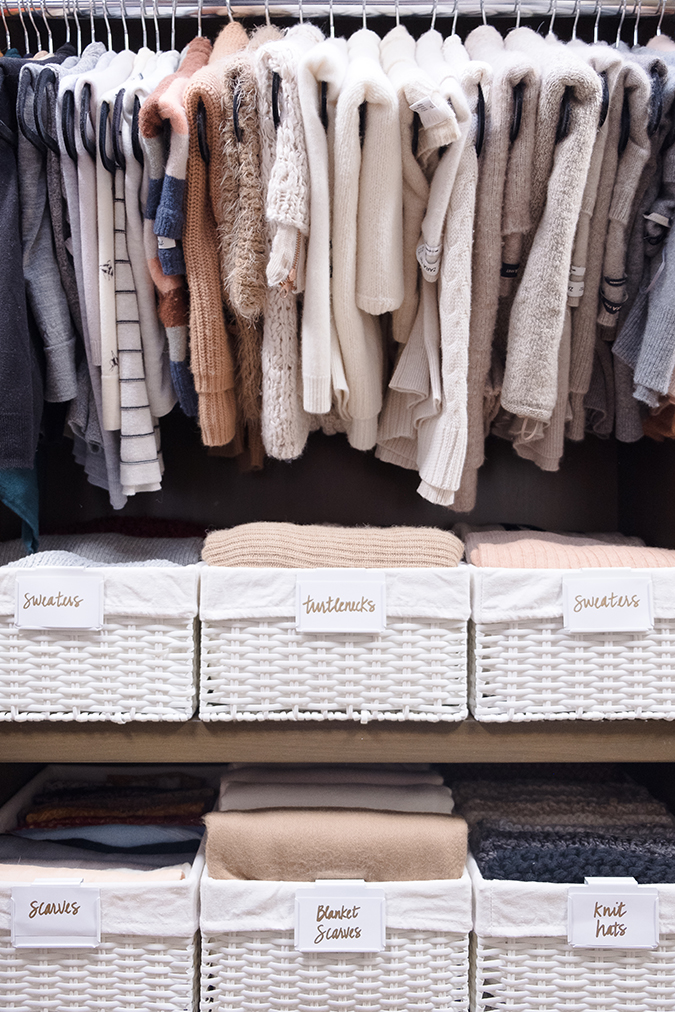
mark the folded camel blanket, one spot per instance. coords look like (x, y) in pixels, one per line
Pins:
(335, 773)
(291, 546)
(538, 550)
(297, 845)
(417, 798)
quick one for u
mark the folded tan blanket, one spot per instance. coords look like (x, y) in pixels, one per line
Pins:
(418, 798)
(538, 550)
(300, 846)
(335, 773)
(29, 872)
(291, 546)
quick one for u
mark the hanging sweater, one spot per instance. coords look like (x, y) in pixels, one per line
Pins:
(367, 229)
(210, 352)
(559, 175)
(323, 67)
(285, 177)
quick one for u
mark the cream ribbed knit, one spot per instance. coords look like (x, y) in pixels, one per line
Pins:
(325, 65)
(291, 546)
(537, 315)
(442, 439)
(285, 174)
(367, 228)
(539, 550)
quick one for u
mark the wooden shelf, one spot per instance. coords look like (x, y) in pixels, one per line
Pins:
(469, 741)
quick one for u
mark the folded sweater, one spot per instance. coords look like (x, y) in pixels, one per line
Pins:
(29, 872)
(300, 845)
(45, 853)
(291, 546)
(538, 550)
(107, 549)
(336, 773)
(418, 798)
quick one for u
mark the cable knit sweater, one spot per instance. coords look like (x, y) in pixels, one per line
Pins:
(559, 174)
(210, 352)
(285, 174)
(367, 229)
(323, 66)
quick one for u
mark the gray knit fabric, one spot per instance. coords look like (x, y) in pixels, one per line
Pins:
(103, 550)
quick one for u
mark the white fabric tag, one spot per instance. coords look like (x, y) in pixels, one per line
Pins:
(613, 913)
(340, 916)
(59, 916)
(59, 599)
(353, 604)
(431, 112)
(575, 289)
(163, 242)
(658, 219)
(617, 603)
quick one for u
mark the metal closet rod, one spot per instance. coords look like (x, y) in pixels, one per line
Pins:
(341, 8)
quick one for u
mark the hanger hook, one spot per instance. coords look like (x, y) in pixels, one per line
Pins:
(92, 27)
(663, 11)
(200, 4)
(455, 14)
(43, 8)
(331, 19)
(637, 21)
(123, 16)
(553, 15)
(23, 25)
(577, 12)
(267, 13)
(8, 37)
(35, 27)
(363, 5)
(518, 5)
(229, 10)
(107, 24)
(173, 24)
(482, 11)
(596, 27)
(301, 13)
(623, 16)
(398, 15)
(144, 27)
(155, 18)
(78, 27)
(433, 16)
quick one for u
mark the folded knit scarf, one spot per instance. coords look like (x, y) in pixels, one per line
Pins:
(521, 790)
(538, 550)
(290, 546)
(564, 854)
(297, 845)
(553, 811)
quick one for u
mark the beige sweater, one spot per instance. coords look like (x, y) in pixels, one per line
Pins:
(291, 546)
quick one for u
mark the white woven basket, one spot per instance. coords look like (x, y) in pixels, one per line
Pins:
(255, 665)
(148, 959)
(249, 961)
(521, 962)
(524, 666)
(140, 665)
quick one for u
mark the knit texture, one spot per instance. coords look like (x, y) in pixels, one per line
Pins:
(537, 550)
(290, 546)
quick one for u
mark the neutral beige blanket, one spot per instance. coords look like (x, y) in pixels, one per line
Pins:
(380, 798)
(302, 845)
(292, 546)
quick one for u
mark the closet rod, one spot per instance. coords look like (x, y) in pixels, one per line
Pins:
(341, 8)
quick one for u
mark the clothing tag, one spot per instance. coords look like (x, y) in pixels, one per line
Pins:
(163, 242)
(340, 915)
(616, 603)
(352, 604)
(60, 916)
(612, 913)
(575, 289)
(431, 113)
(59, 599)
(659, 219)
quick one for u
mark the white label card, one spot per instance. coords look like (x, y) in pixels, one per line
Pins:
(340, 915)
(59, 916)
(613, 913)
(617, 603)
(352, 604)
(59, 599)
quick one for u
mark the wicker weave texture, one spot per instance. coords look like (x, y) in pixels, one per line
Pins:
(123, 973)
(418, 971)
(547, 975)
(270, 671)
(130, 669)
(534, 671)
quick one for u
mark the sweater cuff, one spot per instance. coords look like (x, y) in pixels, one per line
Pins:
(217, 417)
(61, 382)
(362, 433)
(439, 496)
(316, 394)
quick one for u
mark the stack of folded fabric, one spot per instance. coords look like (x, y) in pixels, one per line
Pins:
(552, 830)
(103, 549)
(293, 546)
(381, 823)
(109, 830)
(499, 548)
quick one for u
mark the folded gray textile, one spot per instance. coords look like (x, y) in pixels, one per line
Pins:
(15, 850)
(505, 850)
(103, 550)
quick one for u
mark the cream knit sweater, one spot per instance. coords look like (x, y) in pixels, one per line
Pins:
(322, 367)
(285, 173)
(367, 229)
(559, 175)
